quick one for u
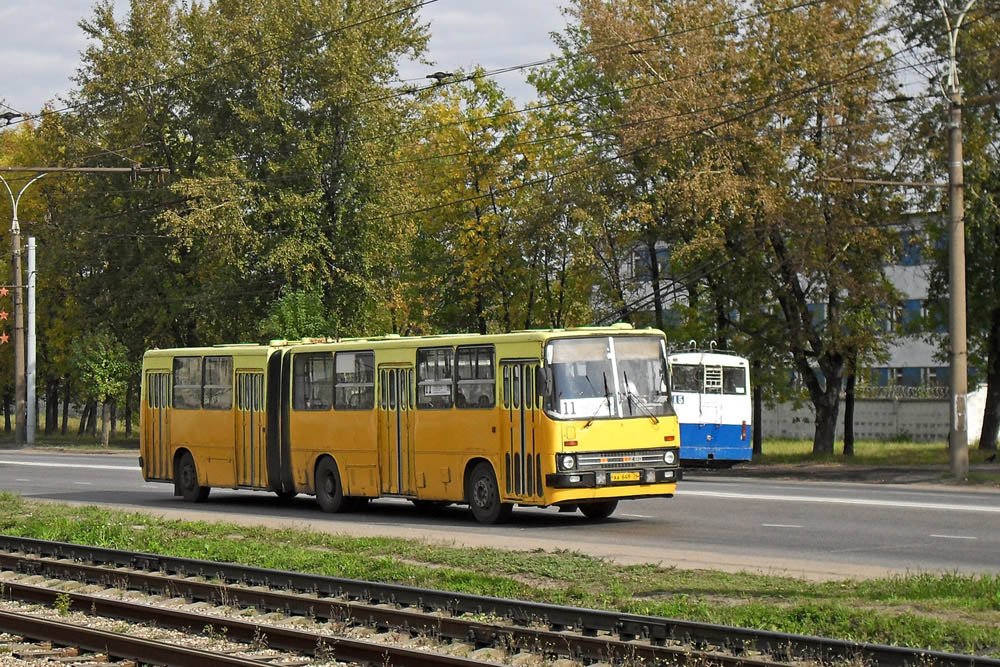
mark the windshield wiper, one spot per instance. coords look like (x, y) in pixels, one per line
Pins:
(607, 398)
(629, 394)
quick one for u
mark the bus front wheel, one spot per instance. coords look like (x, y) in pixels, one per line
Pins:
(187, 480)
(329, 490)
(483, 496)
(599, 510)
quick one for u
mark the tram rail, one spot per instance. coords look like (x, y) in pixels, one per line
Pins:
(594, 635)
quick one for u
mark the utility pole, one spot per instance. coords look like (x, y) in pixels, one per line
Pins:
(20, 374)
(32, 419)
(20, 380)
(958, 432)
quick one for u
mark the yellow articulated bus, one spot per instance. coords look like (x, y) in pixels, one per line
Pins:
(577, 418)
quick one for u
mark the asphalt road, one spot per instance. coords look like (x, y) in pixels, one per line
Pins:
(814, 529)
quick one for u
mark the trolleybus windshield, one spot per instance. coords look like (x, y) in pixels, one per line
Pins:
(616, 376)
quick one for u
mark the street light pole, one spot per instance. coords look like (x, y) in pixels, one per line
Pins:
(20, 384)
(958, 433)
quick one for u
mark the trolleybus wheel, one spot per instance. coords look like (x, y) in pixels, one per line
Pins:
(599, 510)
(329, 490)
(187, 480)
(483, 496)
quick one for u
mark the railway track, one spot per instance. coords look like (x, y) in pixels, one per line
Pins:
(107, 645)
(490, 628)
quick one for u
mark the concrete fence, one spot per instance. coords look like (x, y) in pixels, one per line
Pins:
(920, 419)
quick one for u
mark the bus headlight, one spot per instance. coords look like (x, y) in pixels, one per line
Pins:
(669, 457)
(567, 462)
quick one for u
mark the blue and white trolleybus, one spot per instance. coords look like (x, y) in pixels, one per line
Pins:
(711, 395)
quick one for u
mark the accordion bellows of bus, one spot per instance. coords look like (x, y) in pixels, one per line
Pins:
(576, 418)
(711, 395)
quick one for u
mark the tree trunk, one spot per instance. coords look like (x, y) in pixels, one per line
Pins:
(105, 422)
(849, 414)
(67, 387)
(991, 414)
(128, 409)
(758, 414)
(6, 413)
(83, 419)
(826, 402)
(114, 415)
(92, 418)
(51, 405)
(654, 282)
(826, 425)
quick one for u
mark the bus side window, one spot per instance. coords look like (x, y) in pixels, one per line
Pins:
(435, 388)
(354, 380)
(217, 388)
(187, 383)
(312, 381)
(476, 379)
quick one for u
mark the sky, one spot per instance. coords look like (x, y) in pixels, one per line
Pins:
(40, 43)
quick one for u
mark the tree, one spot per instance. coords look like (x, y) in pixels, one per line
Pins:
(103, 366)
(725, 131)
(979, 78)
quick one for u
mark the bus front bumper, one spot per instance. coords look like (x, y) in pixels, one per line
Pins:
(601, 479)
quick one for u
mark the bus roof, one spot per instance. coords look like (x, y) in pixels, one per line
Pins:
(394, 340)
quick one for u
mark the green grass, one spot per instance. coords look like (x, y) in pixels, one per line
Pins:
(866, 452)
(943, 612)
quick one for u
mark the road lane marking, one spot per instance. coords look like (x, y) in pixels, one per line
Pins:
(902, 504)
(956, 537)
(638, 516)
(66, 465)
(83, 483)
(780, 525)
(19, 479)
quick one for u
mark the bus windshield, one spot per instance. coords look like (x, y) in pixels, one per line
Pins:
(615, 376)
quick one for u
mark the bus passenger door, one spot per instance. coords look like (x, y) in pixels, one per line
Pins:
(251, 430)
(156, 432)
(395, 430)
(519, 415)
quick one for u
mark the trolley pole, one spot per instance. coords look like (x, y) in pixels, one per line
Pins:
(958, 432)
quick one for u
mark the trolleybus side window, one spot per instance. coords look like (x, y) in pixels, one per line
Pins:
(354, 380)
(734, 381)
(312, 381)
(217, 387)
(434, 377)
(476, 382)
(686, 377)
(187, 383)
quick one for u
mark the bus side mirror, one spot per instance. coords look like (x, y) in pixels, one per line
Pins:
(543, 380)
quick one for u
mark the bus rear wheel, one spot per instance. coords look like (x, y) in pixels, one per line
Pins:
(599, 510)
(329, 490)
(483, 496)
(186, 479)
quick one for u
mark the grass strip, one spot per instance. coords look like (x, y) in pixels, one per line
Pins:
(948, 612)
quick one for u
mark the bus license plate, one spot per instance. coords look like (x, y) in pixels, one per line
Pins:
(625, 476)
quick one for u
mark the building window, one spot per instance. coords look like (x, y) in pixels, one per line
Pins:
(476, 383)
(354, 380)
(642, 268)
(434, 378)
(312, 381)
